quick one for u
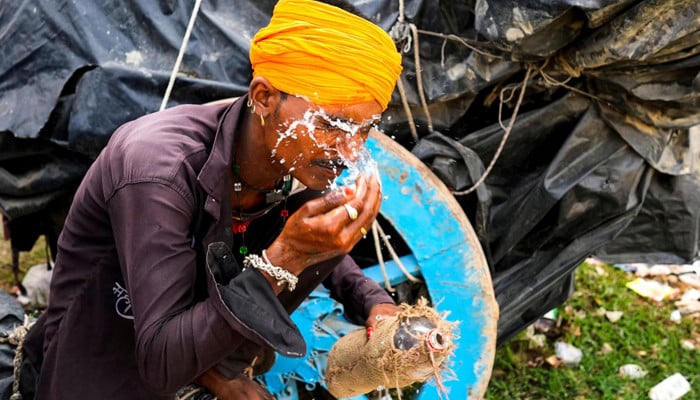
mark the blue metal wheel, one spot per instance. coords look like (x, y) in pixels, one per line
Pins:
(445, 254)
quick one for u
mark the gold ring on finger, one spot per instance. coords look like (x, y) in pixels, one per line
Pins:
(352, 211)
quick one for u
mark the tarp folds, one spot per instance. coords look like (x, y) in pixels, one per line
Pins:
(55, 42)
(125, 96)
(33, 174)
(602, 158)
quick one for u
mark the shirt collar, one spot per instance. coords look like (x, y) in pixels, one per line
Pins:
(216, 169)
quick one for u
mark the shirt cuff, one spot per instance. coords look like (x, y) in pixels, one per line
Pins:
(255, 310)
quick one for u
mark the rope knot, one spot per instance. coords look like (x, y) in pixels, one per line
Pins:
(401, 33)
(16, 338)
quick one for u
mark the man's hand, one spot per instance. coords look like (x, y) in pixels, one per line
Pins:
(379, 313)
(324, 228)
(240, 388)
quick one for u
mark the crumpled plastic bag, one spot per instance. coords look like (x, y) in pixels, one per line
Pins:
(36, 281)
(689, 303)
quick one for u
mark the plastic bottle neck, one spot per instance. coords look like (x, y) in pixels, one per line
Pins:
(435, 340)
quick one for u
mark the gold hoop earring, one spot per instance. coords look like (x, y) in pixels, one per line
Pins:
(252, 110)
(262, 120)
(249, 103)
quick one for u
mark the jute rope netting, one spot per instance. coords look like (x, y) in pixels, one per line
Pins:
(358, 365)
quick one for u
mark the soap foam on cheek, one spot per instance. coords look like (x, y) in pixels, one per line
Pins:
(364, 164)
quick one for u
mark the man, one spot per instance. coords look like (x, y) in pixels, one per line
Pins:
(191, 237)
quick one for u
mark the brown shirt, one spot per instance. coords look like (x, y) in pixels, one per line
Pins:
(146, 294)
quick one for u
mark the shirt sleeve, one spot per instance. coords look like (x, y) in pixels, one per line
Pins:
(358, 294)
(179, 334)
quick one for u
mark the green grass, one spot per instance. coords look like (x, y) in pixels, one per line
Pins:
(644, 335)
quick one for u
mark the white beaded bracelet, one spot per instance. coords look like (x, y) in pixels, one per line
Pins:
(280, 274)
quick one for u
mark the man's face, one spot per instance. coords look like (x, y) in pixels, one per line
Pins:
(313, 143)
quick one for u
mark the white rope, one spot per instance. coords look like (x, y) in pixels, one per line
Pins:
(380, 257)
(468, 43)
(407, 110)
(507, 130)
(16, 338)
(407, 33)
(394, 256)
(419, 77)
(379, 236)
(398, 33)
(181, 54)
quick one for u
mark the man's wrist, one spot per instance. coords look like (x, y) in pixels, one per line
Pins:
(284, 257)
(281, 276)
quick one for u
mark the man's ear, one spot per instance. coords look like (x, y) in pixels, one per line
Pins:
(265, 97)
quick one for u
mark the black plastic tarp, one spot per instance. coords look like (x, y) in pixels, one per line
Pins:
(601, 160)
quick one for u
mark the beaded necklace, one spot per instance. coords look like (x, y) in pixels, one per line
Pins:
(239, 223)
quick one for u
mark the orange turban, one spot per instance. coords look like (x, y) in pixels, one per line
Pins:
(326, 54)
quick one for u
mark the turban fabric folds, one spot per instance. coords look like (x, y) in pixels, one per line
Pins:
(326, 54)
